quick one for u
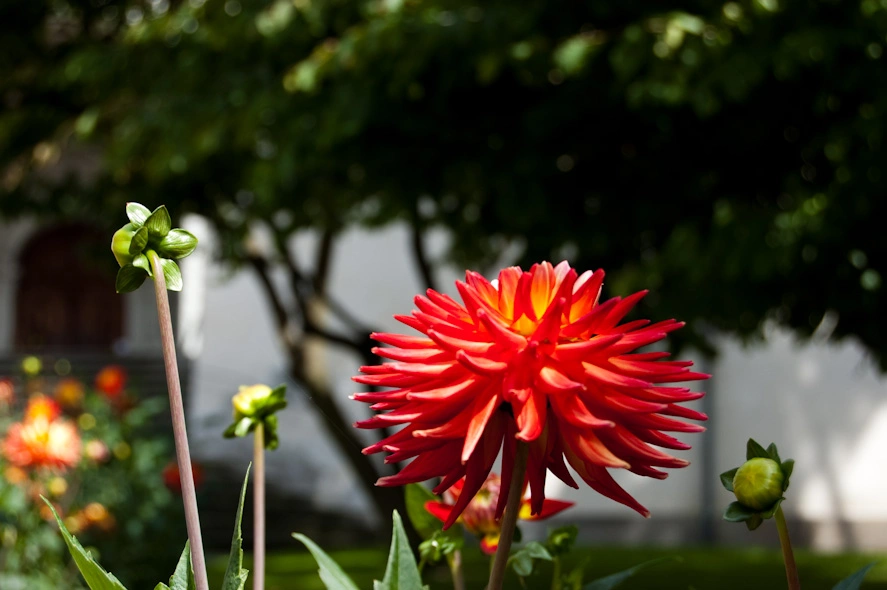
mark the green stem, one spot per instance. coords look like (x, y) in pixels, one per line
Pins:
(259, 507)
(180, 434)
(455, 562)
(556, 574)
(791, 570)
(509, 519)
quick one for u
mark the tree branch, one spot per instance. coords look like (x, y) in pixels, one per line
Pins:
(420, 256)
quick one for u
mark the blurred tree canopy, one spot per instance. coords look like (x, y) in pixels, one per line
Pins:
(727, 156)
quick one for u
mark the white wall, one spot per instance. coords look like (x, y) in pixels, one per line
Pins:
(823, 404)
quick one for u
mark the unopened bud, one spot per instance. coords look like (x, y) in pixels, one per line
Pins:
(758, 483)
(250, 399)
(120, 244)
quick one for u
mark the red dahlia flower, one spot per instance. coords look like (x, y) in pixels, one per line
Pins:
(532, 357)
(479, 516)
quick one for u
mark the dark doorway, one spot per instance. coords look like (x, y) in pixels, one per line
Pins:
(66, 296)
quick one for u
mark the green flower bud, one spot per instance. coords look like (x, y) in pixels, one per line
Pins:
(758, 483)
(249, 400)
(120, 244)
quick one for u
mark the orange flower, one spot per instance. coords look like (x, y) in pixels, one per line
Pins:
(532, 357)
(42, 407)
(479, 516)
(172, 479)
(69, 392)
(111, 380)
(43, 443)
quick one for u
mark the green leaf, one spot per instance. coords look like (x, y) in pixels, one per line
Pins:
(129, 278)
(159, 223)
(769, 512)
(561, 540)
(137, 213)
(178, 243)
(94, 574)
(271, 439)
(754, 522)
(402, 572)
(727, 478)
(331, 574)
(172, 274)
(787, 467)
(773, 453)
(183, 577)
(522, 560)
(141, 261)
(235, 575)
(854, 580)
(753, 449)
(415, 497)
(737, 512)
(138, 242)
(242, 428)
(614, 580)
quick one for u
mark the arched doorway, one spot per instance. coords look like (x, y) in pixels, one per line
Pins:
(65, 298)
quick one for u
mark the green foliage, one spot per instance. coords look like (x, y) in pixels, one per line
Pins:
(330, 573)
(854, 580)
(401, 572)
(254, 405)
(135, 243)
(615, 580)
(96, 577)
(183, 577)
(523, 560)
(235, 575)
(561, 540)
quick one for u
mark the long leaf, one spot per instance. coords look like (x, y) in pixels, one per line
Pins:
(235, 575)
(95, 575)
(854, 580)
(614, 580)
(402, 572)
(183, 577)
(331, 574)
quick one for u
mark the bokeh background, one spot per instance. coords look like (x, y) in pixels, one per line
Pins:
(336, 157)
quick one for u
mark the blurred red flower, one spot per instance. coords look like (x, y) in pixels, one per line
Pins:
(42, 443)
(479, 516)
(111, 380)
(172, 480)
(532, 357)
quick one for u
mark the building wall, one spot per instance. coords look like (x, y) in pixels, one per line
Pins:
(823, 404)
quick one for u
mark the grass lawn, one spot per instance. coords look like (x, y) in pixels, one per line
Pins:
(691, 568)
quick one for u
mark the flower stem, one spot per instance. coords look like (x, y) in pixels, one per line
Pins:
(791, 570)
(455, 562)
(556, 574)
(259, 507)
(180, 434)
(509, 519)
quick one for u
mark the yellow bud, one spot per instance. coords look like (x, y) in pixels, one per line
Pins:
(249, 399)
(758, 483)
(120, 244)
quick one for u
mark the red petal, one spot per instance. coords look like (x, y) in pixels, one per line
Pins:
(439, 510)
(550, 508)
